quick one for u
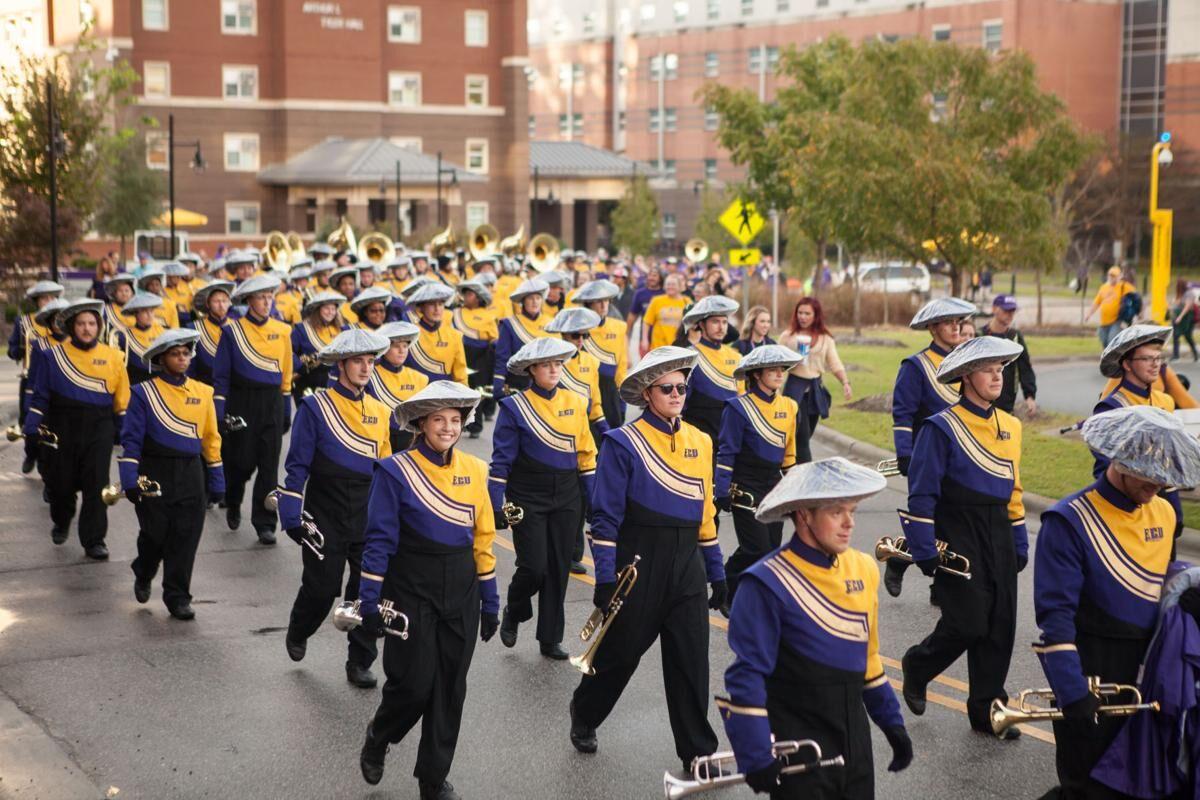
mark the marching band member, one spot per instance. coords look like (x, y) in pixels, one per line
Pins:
(392, 381)
(176, 290)
(757, 441)
(556, 293)
(252, 379)
(80, 392)
(194, 278)
(1098, 575)
(398, 275)
(170, 437)
(151, 281)
(119, 289)
(142, 328)
(290, 300)
(475, 319)
(653, 498)
(581, 372)
(370, 308)
(438, 351)
(367, 275)
(21, 344)
(211, 304)
(320, 324)
(429, 550)
(45, 317)
(241, 265)
(321, 271)
(712, 383)
(918, 394)
(609, 343)
(507, 282)
(344, 281)
(964, 489)
(336, 437)
(544, 462)
(525, 324)
(805, 634)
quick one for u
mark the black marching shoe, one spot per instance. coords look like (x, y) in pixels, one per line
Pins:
(893, 578)
(438, 791)
(266, 536)
(28, 464)
(295, 650)
(141, 590)
(577, 568)
(96, 552)
(370, 759)
(360, 676)
(508, 628)
(58, 534)
(182, 611)
(554, 651)
(583, 736)
(913, 699)
(45, 494)
(233, 518)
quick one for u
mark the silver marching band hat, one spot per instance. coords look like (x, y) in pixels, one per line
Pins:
(353, 342)
(766, 357)
(400, 329)
(657, 362)
(1125, 342)
(573, 320)
(173, 269)
(259, 283)
(399, 261)
(319, 299)
(43, 287)
(539, 350)
(435, 397)
(321, 249)
(819, 483)
(476, 285)
(486, 278)
(173, 337)
(188, 257)
(594, 291)
(536, 285)
(365, 266)
(1146, 442)
(940, 309)
(299, 273)
(142, 301)
(120, 277)
(74, 308)
(372, 294)
(554, 278)
(432, 292)
(323, 266)
(479, 262)
(149, 274)
(414, 284)
(419, 254)
(342, 272)
(240, 257)
(200, 299)
(45, 315)
(973, 354)
(714, 305)
(300, 261)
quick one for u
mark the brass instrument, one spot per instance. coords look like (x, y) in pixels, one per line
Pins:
(952, 563)
(509, 246)
(442, 244)
(376, 249)
(888, 467)
(277, 254)
(312, 538)
(601, 619)
(112, 493)
(1004, 716)
(234, 424)
(719, 770)
(310, 360)
(119, 340)
(695, 251)
(742, 499)
(342, 239)
(484, 242)
(348, 616)
(543, 252)
(513, 513)
(295, 244)
(46, 437)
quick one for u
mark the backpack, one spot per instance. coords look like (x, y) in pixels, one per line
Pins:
(1131, 306)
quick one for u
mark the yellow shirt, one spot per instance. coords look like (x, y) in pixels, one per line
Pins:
(393, 387)
(609, 343)
(440, 352)
(505, 286)
(665, 314)
(1109, 300)
(475, 323)
(581, 374)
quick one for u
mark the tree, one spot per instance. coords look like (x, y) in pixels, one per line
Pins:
(635, 218)
(133, 192)
(713, 203)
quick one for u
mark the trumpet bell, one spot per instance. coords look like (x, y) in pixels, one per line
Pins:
(485, 241)
(377, 249)
(343, 238)
(543, 253)
(695, 251)
(111, 494)
(277, 254)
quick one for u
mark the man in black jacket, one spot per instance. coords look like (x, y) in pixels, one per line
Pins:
(1004, 308)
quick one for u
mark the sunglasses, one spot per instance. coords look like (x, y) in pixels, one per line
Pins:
(578, 335)
(668, 389)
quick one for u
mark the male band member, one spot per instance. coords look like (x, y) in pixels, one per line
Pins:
(320, 324)
(475, 319)
(252, 379)
(438, 351)
(1098, 575)
(805, 633)
(757, 442)
(393, 382)
(344, 281)
(176, 290)
(544, 462)
(918, 394)
(398, 275)
(965, 489)
(241, 264)
(556, 294)
(170, 437)
(712, 383)
(151, 282)
(211, 303)
(653, 498)
(370, 306)
(336, 437)
(119, 291)
(609, 343)
(45, 317)
(142, 328)
(21, 345)
(290, 300)
(321, 271)
(80, 393)
(515, 331)
(507, 282)
(429, 550)
(366, 275)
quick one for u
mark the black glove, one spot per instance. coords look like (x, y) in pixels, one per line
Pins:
(929, 566)
(488, 625)
(1083, 710)
(296, 534)
(134, 494)
(372, 623)
(902, 752)
(903, 463)
(216, 497)
(1189, 602)
(501, 522)
(1022, 562)
(766, 779)
(724, 503)
(603, 594)
(719, 597)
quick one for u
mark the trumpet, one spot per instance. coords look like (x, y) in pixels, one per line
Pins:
(742, 499)
(888, 548)
(312, 538)
(348, 616)
(46, 436)
(888, 467)
(719, 770)
(513, 513)
(1004, 716)
(112, 493)
(601, 619)
(233, 424)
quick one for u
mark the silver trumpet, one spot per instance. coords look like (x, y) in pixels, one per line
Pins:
(313, 539)
(1004, 716)
(233, 424)
(46, 437)
(742, 499)
(348, 616)
(888, 467)
(719, 770)
(952, 563)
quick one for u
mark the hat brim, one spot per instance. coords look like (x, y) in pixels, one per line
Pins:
(634, 385)
(1110, 363)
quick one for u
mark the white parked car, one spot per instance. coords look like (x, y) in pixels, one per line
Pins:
(896, 277)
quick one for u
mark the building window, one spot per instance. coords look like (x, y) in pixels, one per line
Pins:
(156, 79)
(712, 64)
(669, 169)
(564, 126)
(376, 210)
(772, 59)
(621, 120)
(238, 17)
(577, 73)
(241, 152)
(154, 15)
(993, 34)
(404, 88)
(156, 150)
(477, 214)
(476, 29)
(711, 118)
(477, 91)
(412, 143)
(783, 6)
(404, 24)
(747, 8)
(577, 125)
(241, 218)
(477, 155)
(589, 23)
(681, 11)
(341, 206)
(710, 169)
(941, 33)
(670, 117)
(240, 83)
(668, 226)
(654, 120)
(664, 66)
(310, 214)
(712, 10)
(755, 59)
(532, 126)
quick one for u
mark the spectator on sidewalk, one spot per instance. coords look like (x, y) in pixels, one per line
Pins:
(1183, 318)
(1020, 371)
(1108, 302)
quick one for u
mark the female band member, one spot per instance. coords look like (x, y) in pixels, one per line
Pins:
(141, 330)
(712, 383)
(438, 351)
(211, 303)
(392, 382)
(609, 343)
(319, 325)
(515, 331)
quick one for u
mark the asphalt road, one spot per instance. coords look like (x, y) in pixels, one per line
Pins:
(1073, 387)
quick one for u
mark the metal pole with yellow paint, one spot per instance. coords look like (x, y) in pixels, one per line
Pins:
(1161, 219)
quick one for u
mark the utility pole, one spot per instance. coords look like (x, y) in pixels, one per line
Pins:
(399, 212)
(52, 151)
(171, 176)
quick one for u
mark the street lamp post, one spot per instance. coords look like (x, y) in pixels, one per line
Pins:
(533, 221)
(399, 213)
(1162, 220)
(453, 173)
(55, 147)
(197, 165)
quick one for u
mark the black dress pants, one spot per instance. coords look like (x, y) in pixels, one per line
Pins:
(79, 464)
(755, 539)
(170, 526)
(610, 401)
(254, 449)
(483, 361)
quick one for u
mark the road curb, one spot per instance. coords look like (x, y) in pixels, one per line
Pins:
(33, 764)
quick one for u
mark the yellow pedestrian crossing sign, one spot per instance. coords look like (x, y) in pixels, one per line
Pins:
(745, 257)
(742, 220)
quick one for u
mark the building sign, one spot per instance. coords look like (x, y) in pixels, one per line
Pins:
(331, 16)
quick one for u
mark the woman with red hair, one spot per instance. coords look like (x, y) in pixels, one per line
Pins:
(807, 335)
